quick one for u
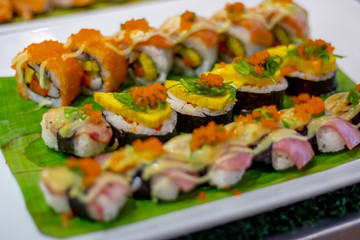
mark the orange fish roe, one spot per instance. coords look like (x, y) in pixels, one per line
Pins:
(187, 20)
(302, 98)
(131, 25)
(40, 52)
(234, 11)
(305, 50)
(149, 95)
(209, 134)
(88, 166)
(245, 119)
(271, 112)
(94, 115)
(66, 217)
(304, 111)
(236, 192)
(269, 120)
(202, 196)
(357, 88)
(268, 123)
(221, 65)
(211, 80)
(238, 58)
(116, 160)
(152, 145)
(258, 60)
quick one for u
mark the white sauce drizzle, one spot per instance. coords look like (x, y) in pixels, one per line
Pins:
(74, 54)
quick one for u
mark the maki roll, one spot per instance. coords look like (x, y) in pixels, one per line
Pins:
(257, 81)
(195, 43)
(242, 31)
(71, 3)
(200, 101)
(286, 19)
(310, 68)
(140, 112)
(84, 189)
(284, 148)
(104, 68)
(221, 161)
(43, 76)
(27, 8)
(148, 51)
(153, 173)
(345, 105)
(6, 11)
(79, 131)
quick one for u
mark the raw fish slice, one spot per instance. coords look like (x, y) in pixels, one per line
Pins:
(299, 151)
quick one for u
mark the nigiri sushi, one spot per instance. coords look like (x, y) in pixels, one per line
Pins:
(79, 131)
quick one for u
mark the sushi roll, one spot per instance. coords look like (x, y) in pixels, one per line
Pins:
(345, 105)
(310, 68)
(148, 51)
(79, 131)
(222, 161)
(195, 43)
(257, 81)
(332, 134)
(71, 3)
(197, 102)
(5, 10)
(153, 174)
(286, 19)
(27, 8)
(140, 112)
(43, 76)
(242, 32)
(283, 148)
(104, 68)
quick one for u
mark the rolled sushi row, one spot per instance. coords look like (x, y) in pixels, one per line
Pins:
(53, 73)
(217, 155)
(178, 107)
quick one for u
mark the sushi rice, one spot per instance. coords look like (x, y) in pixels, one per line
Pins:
(120, 123)
(189, 109)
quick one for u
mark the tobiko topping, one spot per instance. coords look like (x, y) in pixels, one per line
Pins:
(209, 134)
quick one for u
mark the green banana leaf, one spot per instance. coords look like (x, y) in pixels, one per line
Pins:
(26, 154)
